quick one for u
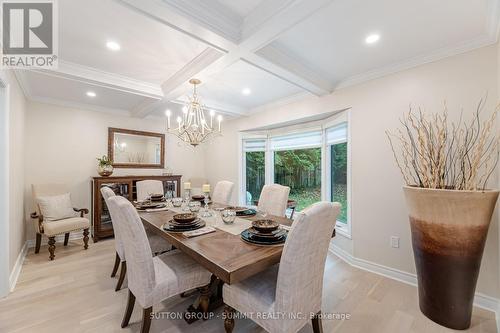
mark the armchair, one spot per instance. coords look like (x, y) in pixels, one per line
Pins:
(52, 228)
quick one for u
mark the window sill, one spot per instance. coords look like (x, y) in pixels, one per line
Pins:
(341, 229)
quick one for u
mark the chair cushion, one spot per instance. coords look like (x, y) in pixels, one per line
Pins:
(52, 228)
(175, 273)
(56, 207)
(255, 294)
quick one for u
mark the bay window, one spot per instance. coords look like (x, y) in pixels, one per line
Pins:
(313, 162)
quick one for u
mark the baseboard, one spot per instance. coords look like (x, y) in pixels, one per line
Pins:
(16, 271)
(59, 239)
(480, 300)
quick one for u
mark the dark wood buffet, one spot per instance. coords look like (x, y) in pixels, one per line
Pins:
(126, 187)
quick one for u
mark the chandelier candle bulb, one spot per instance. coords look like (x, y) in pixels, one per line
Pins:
(219, 118)
(205, 188)
(187, 185)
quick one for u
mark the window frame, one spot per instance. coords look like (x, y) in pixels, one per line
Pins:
(344, 229)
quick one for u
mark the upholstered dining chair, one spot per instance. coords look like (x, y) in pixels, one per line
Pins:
(294, 287)
(154, 279)
(147, 187)
(222, 192)
(54, 215)
(157, 244)
(274, 199)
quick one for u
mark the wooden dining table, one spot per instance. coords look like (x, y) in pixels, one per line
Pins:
(225, 255)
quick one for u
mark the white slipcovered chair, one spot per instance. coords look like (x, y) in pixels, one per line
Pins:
(294, 287)
(55, 199)
(153, 279)
(157, 244)
(147, 187)
(274, 199)
(222, 192)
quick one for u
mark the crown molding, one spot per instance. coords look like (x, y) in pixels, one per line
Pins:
(418, 61)
(97, 77)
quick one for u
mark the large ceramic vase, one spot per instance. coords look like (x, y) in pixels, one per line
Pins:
(449, 231)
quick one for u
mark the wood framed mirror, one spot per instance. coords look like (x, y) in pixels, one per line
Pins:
(136, 149)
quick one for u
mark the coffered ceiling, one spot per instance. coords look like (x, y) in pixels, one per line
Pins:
(247, 53)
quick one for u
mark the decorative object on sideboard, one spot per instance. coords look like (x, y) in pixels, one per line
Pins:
(104, 166)
(136, 149)
(446, 167)
(193, 127)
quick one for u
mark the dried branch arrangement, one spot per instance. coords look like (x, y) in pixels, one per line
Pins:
(431, 152)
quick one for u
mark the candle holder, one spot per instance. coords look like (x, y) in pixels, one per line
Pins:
(187, 198)
(206, 212)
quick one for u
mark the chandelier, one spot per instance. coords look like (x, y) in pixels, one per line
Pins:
(193, 128)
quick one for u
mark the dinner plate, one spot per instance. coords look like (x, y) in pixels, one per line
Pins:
(268, 235)
(248, 237)
(183, 224)
(150, 206)
(246, 212)
(170, 228)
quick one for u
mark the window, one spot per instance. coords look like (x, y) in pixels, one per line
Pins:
(255, 176)
(336, 142)
(302, 161)
(297, 164)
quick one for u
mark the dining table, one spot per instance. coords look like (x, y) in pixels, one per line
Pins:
(222, 252)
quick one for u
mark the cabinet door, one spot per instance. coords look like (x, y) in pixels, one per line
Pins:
(123, 189)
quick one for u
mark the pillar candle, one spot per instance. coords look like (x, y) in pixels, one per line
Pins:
(206, 188)
(187, 185)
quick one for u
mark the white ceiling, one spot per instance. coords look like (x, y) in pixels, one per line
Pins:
(332, 40)
(279, 49)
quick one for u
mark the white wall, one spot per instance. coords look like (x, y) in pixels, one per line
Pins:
(378, 207)
(17, 235)
(63, 144)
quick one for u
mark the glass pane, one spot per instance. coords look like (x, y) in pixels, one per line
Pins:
(339, 178)
(300, 169)
(255, 175)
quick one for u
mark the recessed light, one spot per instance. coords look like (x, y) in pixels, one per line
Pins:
(246, 91)
(371, 39)
(113, 46)
(91, 94)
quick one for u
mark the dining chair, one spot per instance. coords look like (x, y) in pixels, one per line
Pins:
(154, 279)
(61, 217)
(147, 187)
(292, 289)
(157, 243)
(274, 199)
(222, 192)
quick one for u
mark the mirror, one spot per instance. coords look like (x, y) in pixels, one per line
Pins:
(136, 149)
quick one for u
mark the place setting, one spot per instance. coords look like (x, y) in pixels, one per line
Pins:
(264, 232)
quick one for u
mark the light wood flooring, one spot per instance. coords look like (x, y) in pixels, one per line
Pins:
(74, 293)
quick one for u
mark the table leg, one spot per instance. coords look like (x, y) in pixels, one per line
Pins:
(210, 298)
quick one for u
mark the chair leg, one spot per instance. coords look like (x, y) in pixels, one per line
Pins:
(66, 239)
(128, 309)
(38, 242)
(117, 264)
(228, 319)
(123, 272)
(52, 247)
(316, 323)
(86, 238)
(146, 319)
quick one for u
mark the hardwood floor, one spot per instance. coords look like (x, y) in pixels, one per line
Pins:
(74, 293)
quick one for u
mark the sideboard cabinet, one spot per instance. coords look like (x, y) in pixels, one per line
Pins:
(126, 187)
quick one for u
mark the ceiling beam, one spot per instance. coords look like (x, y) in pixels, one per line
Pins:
(100, 78)
(264, 25)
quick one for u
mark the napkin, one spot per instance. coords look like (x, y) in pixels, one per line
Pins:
(150, 210)
(199, 232)
(286, 227)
